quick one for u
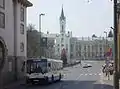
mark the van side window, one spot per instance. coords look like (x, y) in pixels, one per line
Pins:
(49, 65)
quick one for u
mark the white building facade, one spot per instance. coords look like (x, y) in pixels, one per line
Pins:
(79, 48)
(12, 39)
(93, 48)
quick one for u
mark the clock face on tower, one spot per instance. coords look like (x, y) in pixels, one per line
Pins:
(62, 21)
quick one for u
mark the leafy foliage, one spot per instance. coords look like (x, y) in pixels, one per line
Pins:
(94, 35)
(33, 41)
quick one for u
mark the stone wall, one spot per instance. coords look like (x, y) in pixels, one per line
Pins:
(12, 70)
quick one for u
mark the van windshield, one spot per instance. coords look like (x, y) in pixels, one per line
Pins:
(37, 67)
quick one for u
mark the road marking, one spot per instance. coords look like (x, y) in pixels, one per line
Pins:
(90, 74)
(101, 79)
(81, 74)
(95, 74)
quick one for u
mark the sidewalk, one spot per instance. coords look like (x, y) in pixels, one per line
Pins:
(14, 84)
(106, 81)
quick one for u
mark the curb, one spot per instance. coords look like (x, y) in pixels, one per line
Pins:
(14, 84)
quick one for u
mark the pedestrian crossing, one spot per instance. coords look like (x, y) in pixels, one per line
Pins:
(91, 74)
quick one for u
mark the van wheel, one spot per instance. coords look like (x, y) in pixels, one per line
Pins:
(47, 80)
(52, 78)
(27, 81)
(60, 76)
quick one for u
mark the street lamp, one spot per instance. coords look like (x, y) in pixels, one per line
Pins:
(40, 15)
(112, 28)
(106, 41)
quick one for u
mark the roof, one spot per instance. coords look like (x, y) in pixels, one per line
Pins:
(62, 17)
(24, 2)
(28, 4)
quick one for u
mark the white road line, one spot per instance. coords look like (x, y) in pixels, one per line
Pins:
(101, 79)
(86, 74)
(90, 74)
(95, 74)
(81, 74)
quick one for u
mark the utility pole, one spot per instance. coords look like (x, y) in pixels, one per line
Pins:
(116, 78)
(40, 32)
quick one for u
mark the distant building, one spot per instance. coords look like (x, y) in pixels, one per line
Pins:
(93, 48)
(63, 39)
(12, 39)
(77, 48)
(50, 49)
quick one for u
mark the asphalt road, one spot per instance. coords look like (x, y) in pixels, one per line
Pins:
(76, 78)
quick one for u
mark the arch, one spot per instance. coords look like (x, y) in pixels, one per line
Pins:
(3, 53)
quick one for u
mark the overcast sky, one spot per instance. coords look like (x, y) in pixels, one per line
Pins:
(83, 18)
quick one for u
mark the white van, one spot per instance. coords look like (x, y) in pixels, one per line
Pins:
(43, 70)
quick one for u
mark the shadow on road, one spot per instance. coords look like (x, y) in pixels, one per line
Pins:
(67, 84)
(103, 86)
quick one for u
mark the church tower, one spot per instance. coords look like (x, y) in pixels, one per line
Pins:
(62, 22)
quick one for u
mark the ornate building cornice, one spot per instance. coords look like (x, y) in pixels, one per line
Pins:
(24, 2)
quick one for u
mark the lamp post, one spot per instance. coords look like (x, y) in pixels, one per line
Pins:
(40, 15)
(106, 41)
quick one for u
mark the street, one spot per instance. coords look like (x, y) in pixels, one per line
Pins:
(77, 78)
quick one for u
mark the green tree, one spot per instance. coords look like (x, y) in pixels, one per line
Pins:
(33, 41)
(94, 35)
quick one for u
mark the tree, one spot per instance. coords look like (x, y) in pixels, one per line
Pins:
(33, 41)
(31, 27)
(94, 35)
(64, 57)
(110, 34)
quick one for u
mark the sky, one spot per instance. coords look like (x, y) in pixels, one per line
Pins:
(83, 17)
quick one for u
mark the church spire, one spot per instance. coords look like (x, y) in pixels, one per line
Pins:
(62, 17)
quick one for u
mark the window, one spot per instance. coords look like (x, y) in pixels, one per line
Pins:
(2, 3)
(62, 28)
(62, 45)
(62, 40)
(85, 48)
(21, 28)
(22, 47)
(2, 20)
(71, 47)
(58, 44)
(58, 49)
(49, 65)
(67, 47)
(22, 14)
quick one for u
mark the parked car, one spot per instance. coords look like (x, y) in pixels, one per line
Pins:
(87, 65)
